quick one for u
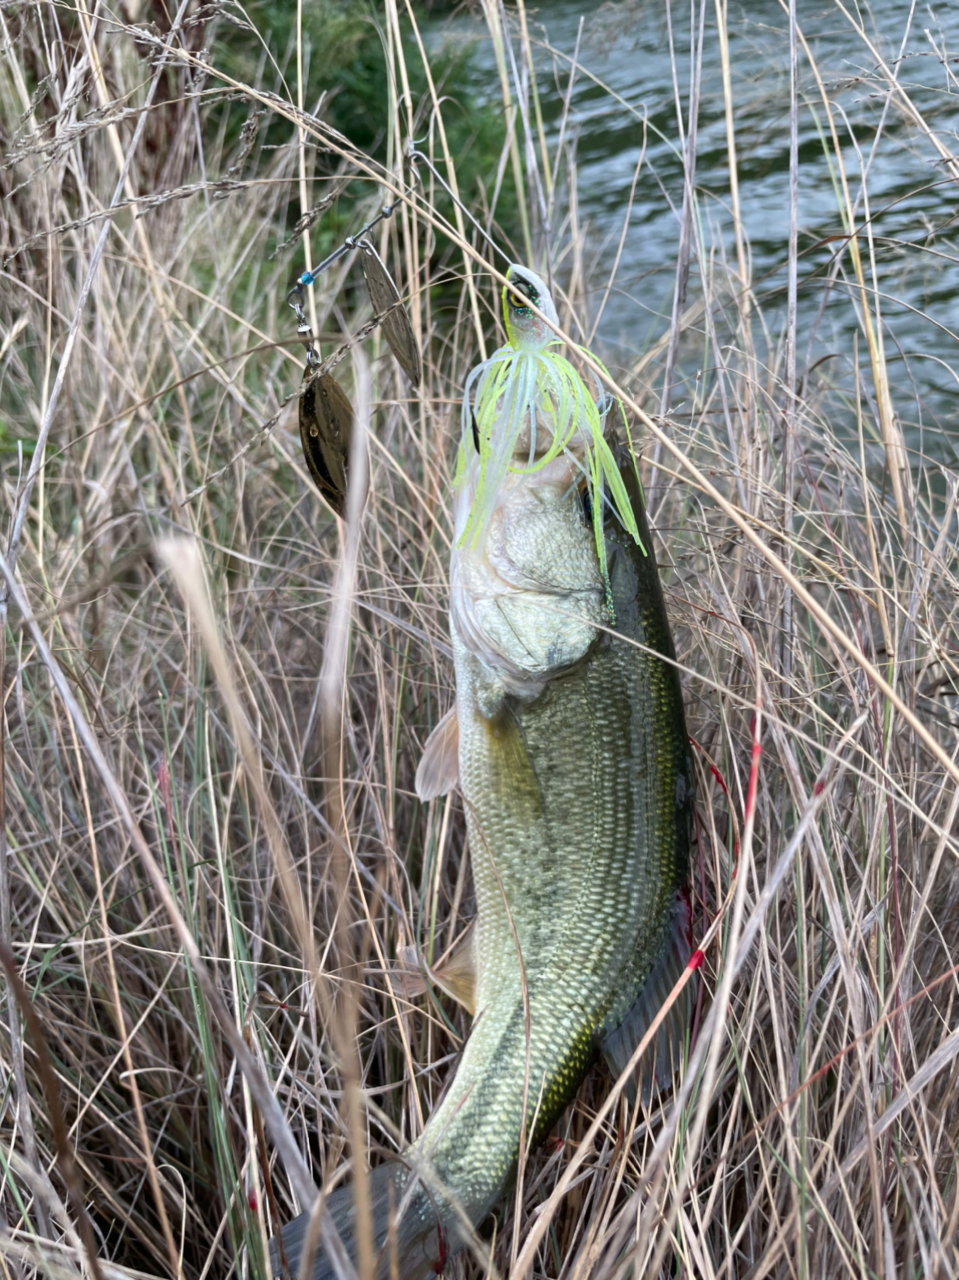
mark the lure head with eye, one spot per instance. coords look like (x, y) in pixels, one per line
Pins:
(525, 330)
(530, 408)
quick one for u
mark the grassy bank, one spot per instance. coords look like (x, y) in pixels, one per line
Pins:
(216, 695)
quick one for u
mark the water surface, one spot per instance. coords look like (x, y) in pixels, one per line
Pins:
(623, 114)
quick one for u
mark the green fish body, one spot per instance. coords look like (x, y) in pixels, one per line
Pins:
(570, 746)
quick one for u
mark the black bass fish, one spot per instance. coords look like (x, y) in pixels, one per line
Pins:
(569, 745)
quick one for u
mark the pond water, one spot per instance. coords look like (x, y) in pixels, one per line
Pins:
(623, 111)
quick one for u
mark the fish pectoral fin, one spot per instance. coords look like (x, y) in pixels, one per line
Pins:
(513, 777)
(439, 769)
(664, 1054)
(454, 973)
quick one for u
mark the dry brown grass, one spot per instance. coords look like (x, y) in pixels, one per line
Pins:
(176, 865)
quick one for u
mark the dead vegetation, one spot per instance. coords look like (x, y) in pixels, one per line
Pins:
(215, 696)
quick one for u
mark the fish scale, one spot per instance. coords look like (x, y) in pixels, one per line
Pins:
(589, 873)
(574, 767)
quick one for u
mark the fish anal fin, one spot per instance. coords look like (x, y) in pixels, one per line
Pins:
(439, 769)
(408, 973)
(664, 1054)
(454, 973)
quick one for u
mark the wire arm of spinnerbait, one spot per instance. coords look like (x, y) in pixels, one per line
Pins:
(348, 244)
(417, 157)
(384, 296)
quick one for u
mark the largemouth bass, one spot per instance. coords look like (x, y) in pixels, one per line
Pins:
(569, 745)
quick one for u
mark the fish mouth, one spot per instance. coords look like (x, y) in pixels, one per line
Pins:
(525, 629)
(526, 597)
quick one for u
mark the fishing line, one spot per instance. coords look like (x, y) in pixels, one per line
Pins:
(417, 157)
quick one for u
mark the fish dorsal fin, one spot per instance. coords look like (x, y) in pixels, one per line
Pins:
(454, 973)
(662, 1057)
(439, 769)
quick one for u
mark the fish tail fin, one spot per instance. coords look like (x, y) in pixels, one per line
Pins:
(304, 1236)
(411, 1246)
(660, 1062)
